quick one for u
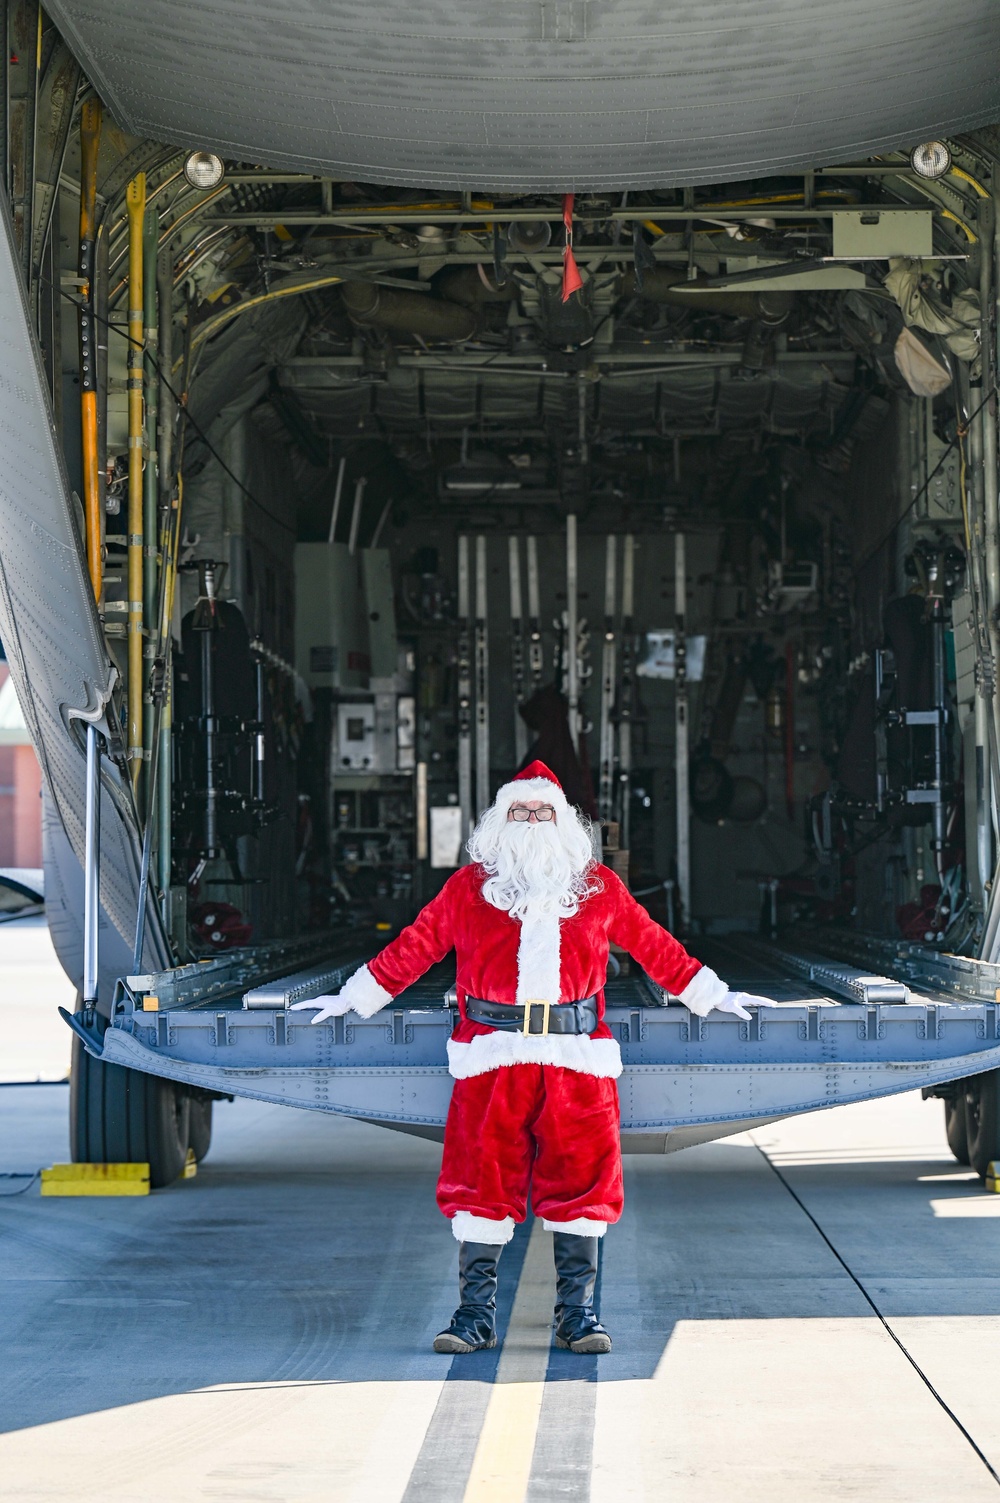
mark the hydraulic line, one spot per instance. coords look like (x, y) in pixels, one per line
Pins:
(967, 177)
(90, 140)
(150, 486)
(165, 408)
(136, 201)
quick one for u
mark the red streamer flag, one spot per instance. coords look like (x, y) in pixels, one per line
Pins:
(572, 280)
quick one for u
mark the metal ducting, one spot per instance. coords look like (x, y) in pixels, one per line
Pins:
(660, 284)
(408, 312)
(472, 286)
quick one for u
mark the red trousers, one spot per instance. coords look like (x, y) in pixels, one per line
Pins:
(539, 1127)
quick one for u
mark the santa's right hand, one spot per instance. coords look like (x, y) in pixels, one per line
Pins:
(329, 1007)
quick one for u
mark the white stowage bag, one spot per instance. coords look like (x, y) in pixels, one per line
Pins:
(925, 375)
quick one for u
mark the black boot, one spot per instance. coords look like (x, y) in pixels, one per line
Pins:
(474, 1324)
(577, 1325)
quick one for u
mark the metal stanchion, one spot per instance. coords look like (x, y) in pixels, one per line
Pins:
(91, 876)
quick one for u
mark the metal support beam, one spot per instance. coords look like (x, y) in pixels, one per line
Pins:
(627, 685)
(517, 645)
(136, 201)
(482, 671)
(606, 784)
(681, 752)
(464, 690)
(92, 871)
(535, 658)
(572, 684)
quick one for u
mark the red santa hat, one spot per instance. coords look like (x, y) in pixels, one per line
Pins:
(536, 781)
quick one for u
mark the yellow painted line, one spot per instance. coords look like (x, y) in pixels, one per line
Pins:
(501, 1466)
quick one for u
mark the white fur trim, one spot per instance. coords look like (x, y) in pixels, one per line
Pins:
(524, 790)
(581, 1226)
(465, 1227)
(704, 991)
(538, 957)
(364, 994)
(570, 1051)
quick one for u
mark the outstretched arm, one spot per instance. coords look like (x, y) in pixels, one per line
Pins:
(665, 960)
(419, 946)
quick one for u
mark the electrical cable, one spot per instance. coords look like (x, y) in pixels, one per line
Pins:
(9, 1194)
(183, 408)
(926, 485)
(874, 1307)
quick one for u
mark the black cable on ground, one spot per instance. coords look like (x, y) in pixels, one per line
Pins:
(875, 1309)
(9, 1194)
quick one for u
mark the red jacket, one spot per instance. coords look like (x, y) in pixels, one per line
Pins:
(486, 941)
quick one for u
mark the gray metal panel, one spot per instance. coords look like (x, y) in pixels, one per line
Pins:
(48, 621)
(542, 94)
(680, 1071)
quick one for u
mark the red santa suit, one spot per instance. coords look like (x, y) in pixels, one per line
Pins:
(531, 1114)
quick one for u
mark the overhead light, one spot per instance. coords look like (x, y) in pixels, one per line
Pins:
(203, 169)
(932, 159)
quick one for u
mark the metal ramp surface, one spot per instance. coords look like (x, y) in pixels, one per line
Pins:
(818, 1041)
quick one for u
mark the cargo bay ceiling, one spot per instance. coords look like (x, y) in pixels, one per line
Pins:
(377, 280)
(540, 95)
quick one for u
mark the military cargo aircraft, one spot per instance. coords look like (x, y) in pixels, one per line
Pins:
(393, 393)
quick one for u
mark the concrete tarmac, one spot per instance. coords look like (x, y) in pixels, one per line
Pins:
(34, 1040)
(263, 1331)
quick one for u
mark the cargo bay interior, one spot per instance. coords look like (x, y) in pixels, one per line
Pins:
(672, 487)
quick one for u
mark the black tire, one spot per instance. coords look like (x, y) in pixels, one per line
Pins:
(200, 1126)
(955, 1126)
(121, 1116)
(168, 1127)
(982, 1120)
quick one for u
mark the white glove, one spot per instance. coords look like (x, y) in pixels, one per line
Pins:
(706, 992)
(734, 1002)
(329, 1007)
(360, 993)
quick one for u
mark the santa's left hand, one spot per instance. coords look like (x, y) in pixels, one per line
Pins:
(734, 1002)
(329, 1007)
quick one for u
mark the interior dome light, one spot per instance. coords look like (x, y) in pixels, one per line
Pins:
(931, 159)
(203, 169)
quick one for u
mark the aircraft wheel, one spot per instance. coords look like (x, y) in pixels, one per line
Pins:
(954, 1125)
(982, 1120)
(122, 1116)
(200, 1130)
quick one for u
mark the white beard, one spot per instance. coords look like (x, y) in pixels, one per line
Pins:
(538, 874)
(533, 871)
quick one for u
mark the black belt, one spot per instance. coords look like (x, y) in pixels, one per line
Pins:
(535, 1017)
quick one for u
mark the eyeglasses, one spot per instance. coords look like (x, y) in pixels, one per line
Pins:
(522, 814)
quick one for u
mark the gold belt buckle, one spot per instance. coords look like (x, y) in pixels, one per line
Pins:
(546, 1008)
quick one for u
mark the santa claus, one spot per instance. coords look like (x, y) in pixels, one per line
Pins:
(534, 1109)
